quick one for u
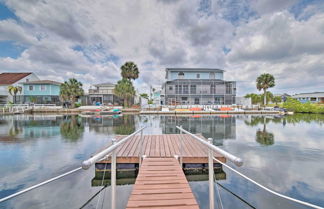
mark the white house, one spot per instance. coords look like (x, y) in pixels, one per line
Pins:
(314, 97)
(13, 79)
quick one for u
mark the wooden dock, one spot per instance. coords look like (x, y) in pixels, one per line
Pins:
(163, 146)
(161, 183)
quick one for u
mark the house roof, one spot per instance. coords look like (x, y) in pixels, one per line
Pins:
(195, 69)
(103, 84)
(43, 82)
(192, 70)
(311, 94)
(11, 78)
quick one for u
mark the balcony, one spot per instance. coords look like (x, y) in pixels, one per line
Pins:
(100, 91)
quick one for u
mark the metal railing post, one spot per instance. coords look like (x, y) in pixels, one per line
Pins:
(113, 177)
(141, 149)
(181, 142)
(211, 175)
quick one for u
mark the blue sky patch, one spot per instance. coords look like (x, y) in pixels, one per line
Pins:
(298, 9)
(10, 49)
(6, 13)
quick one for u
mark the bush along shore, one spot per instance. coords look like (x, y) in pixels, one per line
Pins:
(298, 107)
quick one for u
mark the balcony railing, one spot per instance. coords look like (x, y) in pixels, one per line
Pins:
(100, 91)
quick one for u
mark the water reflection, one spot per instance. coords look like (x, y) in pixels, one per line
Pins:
(119, 125)
(72, 128)
(262, 135)
(36, 147)
(217, 127)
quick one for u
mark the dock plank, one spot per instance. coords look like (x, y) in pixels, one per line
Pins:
(162, 146)
(170, 191)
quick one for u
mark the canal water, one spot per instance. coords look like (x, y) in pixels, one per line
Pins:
(285, 154)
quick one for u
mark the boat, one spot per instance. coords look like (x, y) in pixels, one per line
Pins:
(100, 112)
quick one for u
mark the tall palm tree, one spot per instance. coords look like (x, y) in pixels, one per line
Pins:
(263, 82)
(129, 71)
(125, 89)
(70, 90)
(13, 91)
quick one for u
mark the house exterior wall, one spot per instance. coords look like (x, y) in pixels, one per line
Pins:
(199, 91)
(104, 95)
(4, 94)
(41, 89)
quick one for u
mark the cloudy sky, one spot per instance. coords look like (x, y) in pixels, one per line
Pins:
(90, 40)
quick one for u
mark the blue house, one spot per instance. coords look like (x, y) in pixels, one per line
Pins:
(41, 92)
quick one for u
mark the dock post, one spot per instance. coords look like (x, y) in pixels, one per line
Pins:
(181, 145)
(211, 175)
(113, 177)
(141, 150)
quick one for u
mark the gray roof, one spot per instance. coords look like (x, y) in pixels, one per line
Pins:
(43, 82)
(311, 94)
(103, 84)
(194, 69)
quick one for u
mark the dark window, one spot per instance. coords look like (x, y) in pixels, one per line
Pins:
(180, 75)
(170, 88)
(31, 88)
(196, 100)
(198, 75)
(192, 89)
(211, 75)
(228, 88)
(185, 89)
(178, 89)
(212, 89)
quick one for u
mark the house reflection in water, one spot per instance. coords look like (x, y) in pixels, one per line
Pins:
(119, 125)
(217, 127)
(31, 126)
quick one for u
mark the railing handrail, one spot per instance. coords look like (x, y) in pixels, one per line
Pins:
(88, 163)
(236, 160)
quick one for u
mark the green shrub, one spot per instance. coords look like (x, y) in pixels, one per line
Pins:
(296, 106)
(77, 105)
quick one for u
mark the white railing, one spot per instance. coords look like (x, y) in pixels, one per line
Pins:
(110, 151)
(238, 162)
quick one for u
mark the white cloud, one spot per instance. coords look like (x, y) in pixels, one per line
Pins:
(160, 34)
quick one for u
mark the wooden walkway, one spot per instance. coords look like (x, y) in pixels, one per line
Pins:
(163, 146)
(161, 183)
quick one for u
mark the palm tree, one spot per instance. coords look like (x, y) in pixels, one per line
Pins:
(70, 90)
(13, 90)
(129, 71)
(125, 89)
(263, 82)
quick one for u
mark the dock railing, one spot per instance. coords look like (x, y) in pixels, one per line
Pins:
(110, 151)
(237, 161)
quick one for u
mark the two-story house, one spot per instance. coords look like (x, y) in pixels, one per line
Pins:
(41, 92)
(13, 79)
(103, 94)
(197, 86)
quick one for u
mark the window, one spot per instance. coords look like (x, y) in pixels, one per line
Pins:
(228, 88)
(27, 80)
(31, 88)
(211, 75)
(313, 99)
(212, 89)
(185, 89)
(196, 100)
(192, 89)
(180, 75)
(170, 88)
(42, 87)
(198, 75)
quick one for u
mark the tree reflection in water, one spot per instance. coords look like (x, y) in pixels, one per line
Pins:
(72, 128)
(126, 125)
(263, 137)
